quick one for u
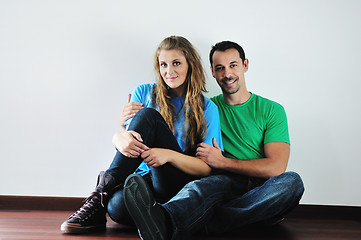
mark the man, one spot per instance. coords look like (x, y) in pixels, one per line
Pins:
(248, 184)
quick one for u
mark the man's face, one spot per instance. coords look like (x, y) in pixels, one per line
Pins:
(228, 69)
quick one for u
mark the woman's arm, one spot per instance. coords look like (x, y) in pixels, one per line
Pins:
(156, 157)
(130, 144)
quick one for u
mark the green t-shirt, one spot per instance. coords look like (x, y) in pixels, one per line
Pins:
(247, 127)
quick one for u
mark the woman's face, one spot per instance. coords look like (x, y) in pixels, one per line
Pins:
(173, 68)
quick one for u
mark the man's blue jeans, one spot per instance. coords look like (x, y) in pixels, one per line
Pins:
(165, 180)
(224, 203)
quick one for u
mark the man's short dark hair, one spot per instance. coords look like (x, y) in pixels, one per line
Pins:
(225, 45)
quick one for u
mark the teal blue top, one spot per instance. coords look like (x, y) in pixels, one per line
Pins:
(143, 94)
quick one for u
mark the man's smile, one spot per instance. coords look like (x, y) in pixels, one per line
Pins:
(229, 82)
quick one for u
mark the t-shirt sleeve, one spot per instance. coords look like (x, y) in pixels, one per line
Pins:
(276, 125)
(213, 124)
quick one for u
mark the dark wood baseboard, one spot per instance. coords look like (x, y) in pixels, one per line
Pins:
(326, 212)
(40, 203)
(72, 204)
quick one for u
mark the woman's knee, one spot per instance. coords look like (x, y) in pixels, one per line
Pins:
(145, 117)
(149, 112)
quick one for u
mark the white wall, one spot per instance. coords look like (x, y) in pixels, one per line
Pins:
(66, 68)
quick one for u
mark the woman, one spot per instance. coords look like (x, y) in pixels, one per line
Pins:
(160, 140)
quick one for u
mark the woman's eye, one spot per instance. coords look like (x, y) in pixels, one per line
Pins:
(176, 63)
(163, 64)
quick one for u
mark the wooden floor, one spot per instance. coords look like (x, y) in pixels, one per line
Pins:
(35, 224)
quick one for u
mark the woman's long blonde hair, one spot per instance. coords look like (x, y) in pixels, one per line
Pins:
(195, 85)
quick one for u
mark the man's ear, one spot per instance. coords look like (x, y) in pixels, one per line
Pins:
(245, 65)
(212, 72)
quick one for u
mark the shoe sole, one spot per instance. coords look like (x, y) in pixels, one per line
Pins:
(68, 228)
(139, 201)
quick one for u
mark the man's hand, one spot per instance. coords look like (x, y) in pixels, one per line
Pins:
(129, 110)
(156, 157)
(129, 143)
(210, 155)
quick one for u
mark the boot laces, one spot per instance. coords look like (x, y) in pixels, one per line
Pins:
(91, 205)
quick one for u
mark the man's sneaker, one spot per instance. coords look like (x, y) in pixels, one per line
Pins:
(90, 217)
(146, 213)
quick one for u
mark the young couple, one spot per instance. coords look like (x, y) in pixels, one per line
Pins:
(171, 177)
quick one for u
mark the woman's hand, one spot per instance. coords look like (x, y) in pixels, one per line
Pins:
(129, 143)
(129, 110)
(156, 157)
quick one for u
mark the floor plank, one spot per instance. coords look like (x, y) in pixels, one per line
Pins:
(35, 224)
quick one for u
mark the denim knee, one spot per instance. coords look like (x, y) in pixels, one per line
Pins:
(296, 182)
(149, 112)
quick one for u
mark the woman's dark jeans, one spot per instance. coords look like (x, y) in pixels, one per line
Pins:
(165, 180)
